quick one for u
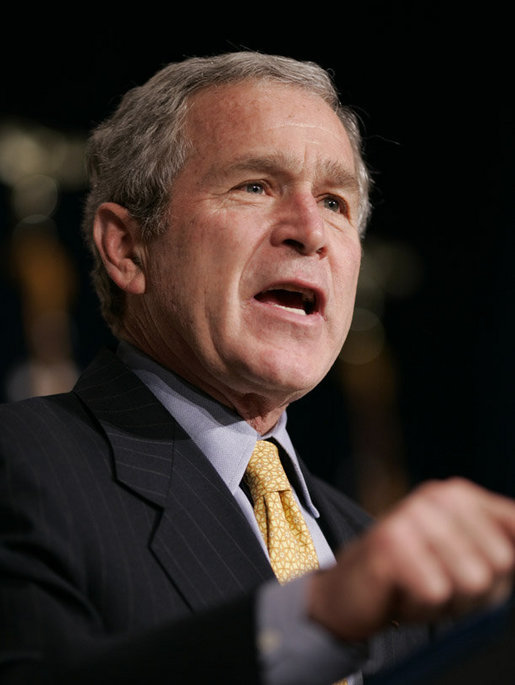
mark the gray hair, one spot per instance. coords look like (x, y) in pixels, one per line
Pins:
(135, 154)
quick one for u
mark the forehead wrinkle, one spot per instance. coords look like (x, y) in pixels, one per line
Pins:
(273, 162)
(326, 171)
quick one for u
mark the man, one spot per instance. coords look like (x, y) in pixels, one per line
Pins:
(228, 200)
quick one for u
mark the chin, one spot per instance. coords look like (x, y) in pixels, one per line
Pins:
(284, 378)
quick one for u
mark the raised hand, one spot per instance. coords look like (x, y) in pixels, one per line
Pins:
(447, 549)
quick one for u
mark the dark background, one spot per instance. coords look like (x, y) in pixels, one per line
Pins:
(434, 89)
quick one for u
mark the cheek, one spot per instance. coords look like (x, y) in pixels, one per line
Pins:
(216, 241)
(345, 284)
(346, 264)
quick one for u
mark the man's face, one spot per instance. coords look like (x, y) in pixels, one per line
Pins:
(251, 289)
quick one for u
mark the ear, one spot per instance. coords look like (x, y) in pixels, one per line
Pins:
(117, 237)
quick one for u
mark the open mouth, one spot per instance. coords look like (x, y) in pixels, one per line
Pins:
(303, 302)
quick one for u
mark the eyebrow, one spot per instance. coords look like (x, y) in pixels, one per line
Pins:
(330, 171)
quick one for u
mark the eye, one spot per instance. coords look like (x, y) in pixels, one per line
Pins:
(335, 204)
(254, 188)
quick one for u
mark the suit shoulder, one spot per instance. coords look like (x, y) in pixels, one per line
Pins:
(41, 434)
(39, 415)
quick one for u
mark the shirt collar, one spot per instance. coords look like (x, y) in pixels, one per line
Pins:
(221, 434)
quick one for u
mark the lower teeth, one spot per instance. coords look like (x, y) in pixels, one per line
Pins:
(291, 309)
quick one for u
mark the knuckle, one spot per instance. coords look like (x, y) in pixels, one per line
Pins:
(504, 561)
(392, 534)
(453, 493)
(436, 594)
(478, 580)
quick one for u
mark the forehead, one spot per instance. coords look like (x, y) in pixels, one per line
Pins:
(248, 115)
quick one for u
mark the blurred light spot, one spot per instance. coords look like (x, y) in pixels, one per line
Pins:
(370, 295)
(394, 267)
(401, 268)
(20, 155)
(27, 149)
(41, 266)
(366, 338)
(34, 195)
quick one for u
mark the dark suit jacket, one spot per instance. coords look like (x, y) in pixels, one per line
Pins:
(124, 558)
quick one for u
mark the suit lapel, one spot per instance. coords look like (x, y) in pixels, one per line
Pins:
(202, 540)
(341, 519)
(219, 557)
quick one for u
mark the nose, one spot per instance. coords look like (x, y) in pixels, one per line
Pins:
(300, 225)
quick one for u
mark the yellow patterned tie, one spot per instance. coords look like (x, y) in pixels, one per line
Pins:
(280, 520)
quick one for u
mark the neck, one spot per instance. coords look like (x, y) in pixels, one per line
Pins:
(262, 412)
(255, 412)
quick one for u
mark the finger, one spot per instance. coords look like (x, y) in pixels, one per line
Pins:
(474, 549)
(480, 519)
(378, 578)
(418, 581)
(459, 493)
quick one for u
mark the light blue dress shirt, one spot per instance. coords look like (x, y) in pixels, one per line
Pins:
(293, 649)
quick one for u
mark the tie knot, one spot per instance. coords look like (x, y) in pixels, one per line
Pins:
(265, 472)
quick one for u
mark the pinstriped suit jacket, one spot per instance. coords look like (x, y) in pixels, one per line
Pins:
(124, 558)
